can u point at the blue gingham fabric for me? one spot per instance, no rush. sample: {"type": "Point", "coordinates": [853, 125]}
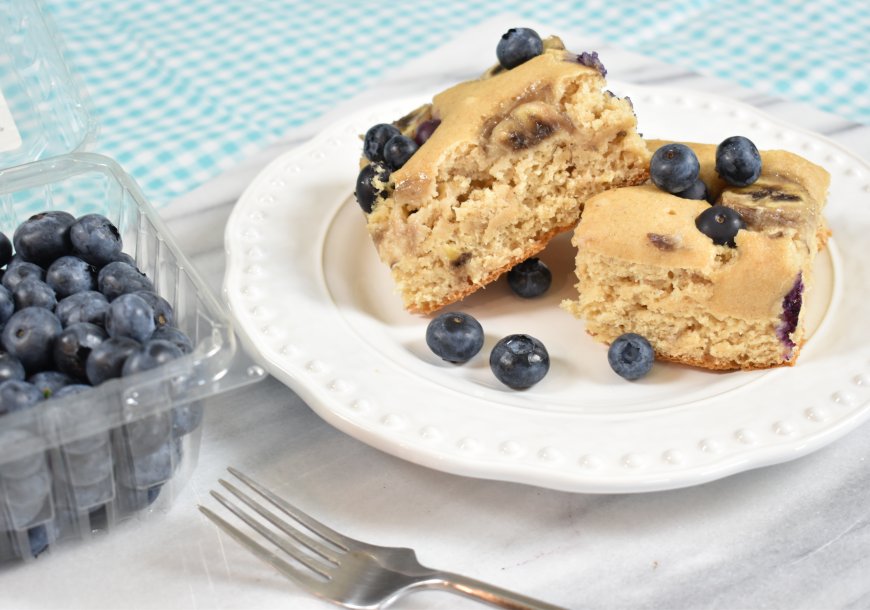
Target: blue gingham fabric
{"type": "Point", "coordinates": [183, 89]}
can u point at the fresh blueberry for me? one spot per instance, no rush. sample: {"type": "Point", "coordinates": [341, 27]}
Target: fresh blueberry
{"type": "Point", "coordinates": [88, 306]}
{"type": "Point", "coordinates": [49, 382]}
{"type": "Point", "coordinates": [454, 336]}
{"type": "Point", "coordinates": [29, 336]}
{"type": "Point", "coordinates": [69, 275]}
{"type": "Point", "coordinates": [93, 495]}
{"type": "Point", "coordinates": [5, 250]}
{"type": "Point", "coordinates": [530, 278]}
{"type": "Point", "coordinates": [20, 270]}
{"type": "Point", "coordinates": [674, 168]}
{"type": "Point", "coordinates": [133, 500]}
{"type": "Point", "coordinates": [425, 131]}
{"type": "Point", "coordinates": [175, 336]}
{"type": "Point", "coordinates": [107, 359]}
{"type": "Point", "coordinates": [95, 239]}
{"type": "Point", "coordinates": [398, 150]}
{"type": "Point", "coordinates": [34, 293]}
{"type": "Point", "coordinates": [186, 418]}
{"type": "Point", "coordinates": [370, 185]}
{"type": "Point", "coordinates": [37, 537]}
{"type": "Point", "coordinates": [10, 367]}
{"type": "Point", "coordinates": [163, 313]}
{"type": "Point", "coordinates": [74, 345]}
{"type": "Point", "coordinates": [151, 355]}
{"type": "Point", "coordinates": [152, 469]}
{"type": "Point", "coordinates": [7, 305]}
{"type": "Point", "coordinates": [517, 46]}
{"type": "Point", "coordinates": [119, 278]}
{"type": "Point", "coordinates": [375, 139]}
{"type": "Point", "coordinates": [130, 316]}
{"type": "Point", "coordinates": [738, 161]}
{"type": "Point", "coordinates": [697, 191]}
{"type": "Point", "coordinates": [721, 224]}
{"type": "Point", "coordinates": [26, 497]}
{"type": "Point", "coordinates": [44, 237]}
{"type": "Point", "coordinates": [519, 361]}
{"type": "Point", "coordinates": [16, 395]}
{"type": "Point", "coordinates": [630, 356]}
{"type": "Point", "coordinates": [31, 460]}
{"type": "Point", "coordinates": [123, 257]}
{"type": "Point", "coordinates": [71, 390]}
{"type": "Point", "coordinates": [147, 434]}
{"type": "Point", "coordinates": [87, 468]}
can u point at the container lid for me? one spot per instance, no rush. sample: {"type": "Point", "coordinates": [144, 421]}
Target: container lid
{"type": "Point", "coordinates": [43, 109]}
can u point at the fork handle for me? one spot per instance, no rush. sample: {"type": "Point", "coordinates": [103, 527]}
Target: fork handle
{"type": "Point", "coordinates": [485, 592]}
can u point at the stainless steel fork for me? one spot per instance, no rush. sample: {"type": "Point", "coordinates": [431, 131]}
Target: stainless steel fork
{"type": "Point", "coordinates": [343, 570]}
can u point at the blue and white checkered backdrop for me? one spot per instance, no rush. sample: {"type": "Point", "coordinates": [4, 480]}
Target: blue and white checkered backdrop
{"type": "Point", "coordinates": [184, 89]}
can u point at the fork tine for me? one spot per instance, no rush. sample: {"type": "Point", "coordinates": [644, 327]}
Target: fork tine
{"type": "Point", "coordinates": [324, 531]}
{"type": "Point", "coordinates": [293, 574]}
{"type": "Point", "coordinates": [288, 529]}
{"type": "Point", "coordinates": [284, 545]}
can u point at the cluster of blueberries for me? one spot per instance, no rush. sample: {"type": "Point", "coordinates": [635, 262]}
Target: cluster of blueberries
{"type": "Point", "coordinates": [75, 311]}
{"type": "Point", "coordinates": [519, 361]}
{"type": "Point", "coordinates": [675, 168]}
{"type": "Point", "coordinates": [387, 150]}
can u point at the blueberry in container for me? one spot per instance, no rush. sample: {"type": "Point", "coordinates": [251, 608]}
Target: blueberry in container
{"type": "Point", "coordinates": [89, 460]}
{"type": "Point", "coordinates": [79, 465]}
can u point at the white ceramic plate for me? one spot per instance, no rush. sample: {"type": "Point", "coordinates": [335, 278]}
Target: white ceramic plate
{"type": "Point", "coordinates": [315, 306]}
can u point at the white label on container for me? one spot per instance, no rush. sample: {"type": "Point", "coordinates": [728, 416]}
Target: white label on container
{"type": "Point", "coordinates": [10, 139]}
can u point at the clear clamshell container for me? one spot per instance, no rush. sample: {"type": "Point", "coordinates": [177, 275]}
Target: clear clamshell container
{"type": "Point", "coordinates": [74, 467]}
{"type": "Point", "coordinates": [71, 467]}
{"type": "Point", "coordinates": [44, 111]}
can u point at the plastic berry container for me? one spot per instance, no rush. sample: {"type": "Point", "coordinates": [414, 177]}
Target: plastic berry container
{"type": "Point", "coordinates": [44, 110]}
{"type": "Point", "coordinates": [74, 466]}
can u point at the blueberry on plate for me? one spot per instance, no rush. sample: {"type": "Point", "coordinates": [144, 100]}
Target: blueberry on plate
{"type": "Point", "coordinates": [519, 361]}
{"type": "Point", "coordinates": [44, 237]}
{"type": "Point", "coordinates": [517, 46]}
{"type": "Point", "coordinates": [69, 275]}
{"type": "Point", "coordinates": [29, 336]}
{"type": "Point", "coordinates": [630, 356]}
{"type": "Point", "coordinates": [375, 139]}
{"type": "Point", "coordinates": [721, 224]}
{"type": "Point", "coordinates": [674, 168]}
{"type": "Point", "coordinates": [95, 239]}
{"type": "Point", "coordinates": [738, 161]}
{"type": "Point", "coordinates": [454, 336]}
{"type": "Point", "coordinates": [398, 150]}
{"type": "Point", "coordinates": [130, 315]}
{"type": "Point", "coordinates": [530, 278]}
